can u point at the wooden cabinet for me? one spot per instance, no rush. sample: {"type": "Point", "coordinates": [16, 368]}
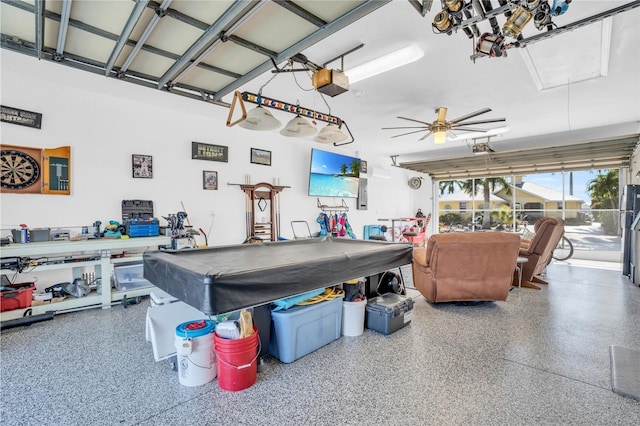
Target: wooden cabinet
{"type": "Point", "coordinates": [99, 255]}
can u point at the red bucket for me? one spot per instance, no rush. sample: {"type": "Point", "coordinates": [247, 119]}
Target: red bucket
{"type": "Point", "coordinates": [237, 361]}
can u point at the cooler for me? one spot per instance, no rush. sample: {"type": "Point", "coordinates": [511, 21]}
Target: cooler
{"type": "Point", "coordinates": [388, 312]}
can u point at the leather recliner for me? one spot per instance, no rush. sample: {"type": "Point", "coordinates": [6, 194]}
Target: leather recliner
{"type": "Point", "coordinates": [539, 250]}
{"type": "Point", "coordinates": [475, 266]}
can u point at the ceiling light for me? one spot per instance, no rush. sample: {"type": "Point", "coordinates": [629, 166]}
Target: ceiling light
{"type": "Point", "coordinates": [260, 119]}
{"type": "Point", "coordinates": [440, 135]}
{"type": "Point", "coordinates": [330, 134]}
{"type": "Point", "coordinates": [385, 63]}
{"type": "Point", "coordinates": [298, 127]}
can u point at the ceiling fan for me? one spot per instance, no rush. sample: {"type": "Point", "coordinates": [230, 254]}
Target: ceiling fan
{"type": "Point", "coordinates": [441, 126]}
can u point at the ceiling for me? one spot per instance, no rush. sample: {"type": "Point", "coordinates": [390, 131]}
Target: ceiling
{"type": "Point", "coordinates": [577, 86]}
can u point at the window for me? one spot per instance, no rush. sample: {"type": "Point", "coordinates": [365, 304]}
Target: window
{"type": "Point", "coordinates": [463, 206]}
{"type": "Point", "coordinates": [447, 207]}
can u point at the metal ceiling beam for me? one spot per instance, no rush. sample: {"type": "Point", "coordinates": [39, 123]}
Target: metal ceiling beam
{"type": "Point", "coordinates": [126, 32]}
{"type": "Point", "coordinates": [227, 33]}
{"type": "Point", "coordinates": [159, 13]}
{"type": "Point", "coordinates": [303, 13]}
{"type": "Point", "coordinates": [39, 15]}
{"type": "Point", "coordinates": [179, 16]}
{"type": "Point", "coordinates": [348, 18]}
{"type": "Point", "coordinates": [233, 12]}
{"type": "Point", "coordinates": [63, 28]}
{"type": "Point", "coordinates": [252, 46]}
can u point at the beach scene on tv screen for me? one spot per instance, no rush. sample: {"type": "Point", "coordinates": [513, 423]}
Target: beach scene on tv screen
{"type": "Point", "coordinates": [333, 175]}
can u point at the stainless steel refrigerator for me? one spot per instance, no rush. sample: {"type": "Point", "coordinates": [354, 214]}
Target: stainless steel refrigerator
{"type": "Point", "coordinates": [630, 208]}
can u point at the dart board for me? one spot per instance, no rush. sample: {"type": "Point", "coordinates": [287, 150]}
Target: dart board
{"type": "Point", "coordinates": [19, 170]}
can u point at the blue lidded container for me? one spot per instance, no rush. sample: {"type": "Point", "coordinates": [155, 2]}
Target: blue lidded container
{"type": "Point", "coordinates": [197, 328]}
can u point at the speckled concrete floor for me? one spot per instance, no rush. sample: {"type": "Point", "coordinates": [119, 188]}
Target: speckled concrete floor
{"type": "Point", "coordinates": [541, 357]}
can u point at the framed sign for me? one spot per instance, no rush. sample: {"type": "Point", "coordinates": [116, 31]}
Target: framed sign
{"type": "Point", "coordinates": [142, 166]}
{"type": "Point", "coordinates": [260, 156]}
{"type": "Point", "coordinates": [21, 117]}
{"type": "Point", "coordinates": [209, 179]}
{"type": "Point", "coordinates": [205, 151]}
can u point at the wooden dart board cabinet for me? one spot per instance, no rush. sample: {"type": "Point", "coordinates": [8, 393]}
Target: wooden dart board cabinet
{"type": "Point", "coordinates": [26, 170]}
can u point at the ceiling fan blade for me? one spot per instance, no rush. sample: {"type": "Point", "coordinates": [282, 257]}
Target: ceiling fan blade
{"type": "Point", "coordinates": [405, 127]}
{"type": "Point", "coordinates": [417, 121]}
{"type": "Point", "coordinates": [424, 137]}
{"type": "Point", "coordinates": [473, 114]}
{"type": "Point", "coordinates": [470, 129]}
{"type": "Point", "coordinates": [409, 133]}
{"type": "Point", "coordinates": [442, 114]}
{"type": "Point", "coordinates": [488, 120]}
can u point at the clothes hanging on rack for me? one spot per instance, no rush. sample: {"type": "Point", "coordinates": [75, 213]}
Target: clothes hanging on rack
{"type": "Point", "coordinates": [323, 220]}
{"type": "Point", "coordinates": [347, 226]}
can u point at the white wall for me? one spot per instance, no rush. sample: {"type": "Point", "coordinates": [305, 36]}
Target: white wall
{"type": "Point", "coordinates": [106, 121]}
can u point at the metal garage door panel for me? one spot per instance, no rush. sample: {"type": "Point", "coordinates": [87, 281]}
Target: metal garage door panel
{"type": "Point", "coordinates": [208, 80]}
{"type": "Point", "coordinates": [234, 58]}
{"type": "Point", "coordinates": [205, 11]}
{"type": "Point", "coordinates": [275, 28]}
{"type": "Point", "coordinates": [87, 45]}
{"type": "Point", "coordinates": [173, 36]}
{"type": "Point", "coordinates": [18, 23]}
{"type": "Point", "coordinates": [151, 64]}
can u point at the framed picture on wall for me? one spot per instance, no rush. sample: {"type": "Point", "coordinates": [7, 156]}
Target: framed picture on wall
{"type": "Point", "coordinates": [205, 151]}
{"type": "Point", "coordinates": [209, 179]}
{"type": "Point", "coordinates": [260, 156]}
{"type": "Point", "coordinates": [142, 166]}
{"type": "Point", "coordinates": [363, 167]}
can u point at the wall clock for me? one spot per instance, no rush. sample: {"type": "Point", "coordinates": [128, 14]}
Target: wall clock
{"type": "Point", "coordinates": [19, 169]}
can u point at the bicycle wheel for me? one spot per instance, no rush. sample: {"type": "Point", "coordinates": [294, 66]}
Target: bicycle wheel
{"type": "Point", "coordinates": [564, 249]}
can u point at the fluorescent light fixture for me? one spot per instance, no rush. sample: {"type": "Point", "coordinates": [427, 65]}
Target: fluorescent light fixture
{"type": "Point", "coordinates": [472, 135]}
{"type": "Point", "coordinates": [385, 63]}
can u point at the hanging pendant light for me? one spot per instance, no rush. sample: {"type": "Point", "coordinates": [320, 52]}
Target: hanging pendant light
{"type": "Point", "coordinates": [298, 127]}
{"type": "Point", "coordinates": [260, 119]}
{"type": "Point", "coordinates": [330, 134]}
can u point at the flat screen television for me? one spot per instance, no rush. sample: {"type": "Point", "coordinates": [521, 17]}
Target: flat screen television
{"type": "Point", "coordinates": [333, 175]}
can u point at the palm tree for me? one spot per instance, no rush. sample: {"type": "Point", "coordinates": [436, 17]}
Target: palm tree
{"type": "Point", "coordinates": [603, 190]}
{"type": "Point", "coordinates": [449, 186]}
{"type": "Point", "coordinates": [488, 186]}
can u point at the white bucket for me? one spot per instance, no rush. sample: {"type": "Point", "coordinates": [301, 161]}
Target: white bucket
{"type": "Point", "coordinates": [194, 350]}
{"type": "Point", "coordinates": [353, 318]}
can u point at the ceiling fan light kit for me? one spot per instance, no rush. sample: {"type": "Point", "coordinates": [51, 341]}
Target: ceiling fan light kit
{"type": "Point", "coordinates": [440, 127]}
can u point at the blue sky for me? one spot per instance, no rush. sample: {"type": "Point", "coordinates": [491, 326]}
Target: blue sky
{"type": "Point", "coordinates": [329, 162]}
{"type": "Point", "coordinates": [554, 181]}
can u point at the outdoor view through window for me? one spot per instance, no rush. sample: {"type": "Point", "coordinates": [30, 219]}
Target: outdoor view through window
{"type": "Point", "coordinates": [588, 201]}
